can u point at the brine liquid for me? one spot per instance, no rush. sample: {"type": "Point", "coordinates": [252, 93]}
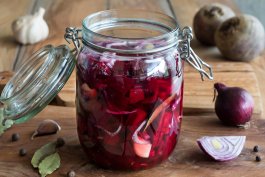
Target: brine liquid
{"type": "Point", "coordinates": [116, 98]}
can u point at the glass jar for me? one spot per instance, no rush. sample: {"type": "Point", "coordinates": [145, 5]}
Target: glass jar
{"type": "Point", "coordinates": [129, 85]}
{"type": "Point", "coordinates": [129, 88]}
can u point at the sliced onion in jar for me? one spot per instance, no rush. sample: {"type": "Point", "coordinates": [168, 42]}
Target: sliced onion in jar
{"type": "Point", "coordinates": [141, 144]}
{"type": "Point", "coordinates": [222, 148]}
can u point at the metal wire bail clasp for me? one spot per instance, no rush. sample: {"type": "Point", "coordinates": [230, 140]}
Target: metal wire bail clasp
{"type": "Point", "coordinates": [189, 55]}
{"type": "Point", "coordinates": [71, 33]}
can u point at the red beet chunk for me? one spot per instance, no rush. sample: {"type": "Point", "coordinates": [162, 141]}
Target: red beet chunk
{"type": "Point", "coordinates": [117, 92]}
{"type": "Point", "coordinates": [164, 88]}
{"type": "Point", "coordinates": [136, 95]}
{"type": "Point", "coordinates": [114, 143]}
{"type": "Point", "coordinates": [166, 122]}
{"type": "Point", "coordinates": [151, 90]}
{"type": "Point", "coordinates": [109, 123]}
{"type": "Point", "coordinates": [98, 74]}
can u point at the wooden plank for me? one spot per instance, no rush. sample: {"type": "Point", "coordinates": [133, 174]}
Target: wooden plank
{"type": "Point", "coordinates": [241, 79]}
{"type": "Point", "coordinates": [224, 66]}
{"type": "Point", "coordinates": [150, 5]}
{"type": "Point", "coordinates": [187, 160]}
{"type": "Point", "coordinates": [259, 69]}
{"type": "Point", "coordinates": [8, 46]}
{"type": "Point", "coordinates": [199, 95]}
{"type": "Point", "coordinates": [59, 15]}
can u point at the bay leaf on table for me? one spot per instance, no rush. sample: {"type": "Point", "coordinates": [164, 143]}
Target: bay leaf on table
{"type": "Point", "coordinates": [42, 153]}
{"type": "Point", "coordinates": [49, 164]}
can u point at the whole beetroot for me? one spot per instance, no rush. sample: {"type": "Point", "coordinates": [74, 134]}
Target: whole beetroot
{"type": "Point", "coordinates": [208, 19]}
{"type": "Point", "coordinates": [240, 38]}
{"type": "Point", "coordinates": [234, 105]}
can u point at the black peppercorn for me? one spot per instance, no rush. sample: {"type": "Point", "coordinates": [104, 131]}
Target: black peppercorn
{"type": "Point", "coordinates": [15, 137]}
{"type": "Point", "coordinates": [22, 152]}
{"type": "Point", "coordinates": [256, 148]}
{"type": "Point", "coordinates": [258, 159]}
{"type": "Point", "coordinates": [71, 173]}
{"type": "Point", "coordinates": [60, 142]}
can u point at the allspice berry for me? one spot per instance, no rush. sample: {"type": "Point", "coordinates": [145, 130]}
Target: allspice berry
{"type": "Point", "coordinates": [15, 137]}
{"type": "Point", "coordinates": [60, 142]}
{"type": "Point", "coordinates": [22, 152]}
{"type": "Point", "coordinates": [71, 173]}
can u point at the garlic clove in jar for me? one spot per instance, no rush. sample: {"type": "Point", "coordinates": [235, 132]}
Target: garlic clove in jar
{"type": "Point", "coordinates": [30, 29]}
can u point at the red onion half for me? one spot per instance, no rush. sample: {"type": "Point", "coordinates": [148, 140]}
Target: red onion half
{"type": "Point", "coordinates": [222, 148]}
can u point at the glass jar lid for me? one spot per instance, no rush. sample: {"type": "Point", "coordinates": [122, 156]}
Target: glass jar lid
{"type": "Point", "coordinates": [37, 82]}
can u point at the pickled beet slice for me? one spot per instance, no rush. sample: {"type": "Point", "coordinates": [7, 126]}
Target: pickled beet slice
{"type": "Point", "coordinates": [151, 90]}
{"type": "Point", "coordinates": [166, 122]}
{"type": "Point", "coordinates": [111, 140]}
{"type": "Point", "coordinates": [101, 69]}
{"type": "Point", "coordinates": [87, 133]}
{"type": "Point", "coordinates": [118, 68]}
{"type": "Point", "coordinates": [163, 129]}
{"type": "Point", "coordinates": [136, 95]}
{"type": "Point", "coordinates": [81, 125]}
{"type": "Point", "coordinates": [117, 93]}
{"type": "Point", "coordinates": [128, 69]}
{"type": "Point", "coordinates": [143, 136]}
{"type": "Point", "coordinates": [98, 74]}
{"type": "Point", "coordinates": [109, 124]}
{"type": "Point", "coordinates": [164, 88]}
{"type": "Point", "coordinates": [111, 132]}
{"type": "Point", "coordinates": [114, 143]}
{"type": "Point", "coordinates": [86, 91]}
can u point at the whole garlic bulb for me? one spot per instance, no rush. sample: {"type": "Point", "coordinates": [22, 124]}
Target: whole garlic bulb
{"type": "Point", "coordinates": [30, 29]}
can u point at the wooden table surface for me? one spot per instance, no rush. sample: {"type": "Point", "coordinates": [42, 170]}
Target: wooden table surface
{"type": "Point", "coordinates": [187, 159]}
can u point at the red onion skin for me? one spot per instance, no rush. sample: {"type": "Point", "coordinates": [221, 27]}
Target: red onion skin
{"type": "Point", "coordinates": [233, 105]}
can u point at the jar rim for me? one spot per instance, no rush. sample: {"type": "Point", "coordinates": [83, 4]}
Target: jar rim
{"type": "Point", "coordinates": [163, 21]}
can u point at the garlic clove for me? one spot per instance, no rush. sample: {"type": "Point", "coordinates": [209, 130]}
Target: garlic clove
{"type": "Point", "coordinates": [30, 29]}
{"type": "Point", "coordinates": [46, 127]}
